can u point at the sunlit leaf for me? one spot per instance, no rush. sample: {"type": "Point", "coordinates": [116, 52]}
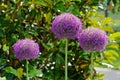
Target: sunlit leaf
{"type": "Point", "coordinates": [113, 46]}
{"type": "Point", "coordinates": [99, 76]}
{"type": "Point", "coordinates": [5, 47]}
{"type": "Point", "coordinates": [111, 53]}
{"type": "Point", "coordinates": [20, 71]}
{"type": "Point", "coordinates": [48, 17]}
{"type": "Point", "coordinates": [108, 29]}
{"type": "Point", "coordinates": [114, 36]}
{"type": "Point", "coordinates": [107, 20]}
{"type": "Point", "coordinates": [41, 2]}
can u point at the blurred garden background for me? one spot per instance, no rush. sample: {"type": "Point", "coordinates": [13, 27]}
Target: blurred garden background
{"type": "Point", "coordinates": [20, 19]}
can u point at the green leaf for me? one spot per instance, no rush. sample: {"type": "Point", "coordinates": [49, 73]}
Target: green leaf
{"type": "Point", "coordinates": [12, 71]}
{"type": "Point", "coordinates": [99, 76]}
{"type": "Point", "coordinates": [48, 1]}
{"type": "Point", "coordinates": [19, 14]}
{"type": "Point", "coordinates": [115, 36]}
{"type": "Point", "coordinates": [5, 47]}
{"type": "Point", "coordinates": [113, 46]}
{"type": "Point", "coordinates": [20, 71]}
{"type": "Point", "coordinates": [34, 72]}
{"type": "Point", "coordinates": [60, 7]}
{"type": "Point", "coordinates": [2, 63]}
{"type": "Point", "coordinates": [112, 53]}
{"type": "Point", "coordinates": [38, 2]}
{"type": "Point", "coordinates": [74, 9]}
{"type": "Point", "coordinates": [33, 32]}
{"type": "Point", "coordinates": [41, 3]}
{"type": "Point", "coordinates": [108, 29]}
{"type": "Point", "coordinates": [1, 33]}
{"type": "Point", "coordinates": [48, 17]}
{"type": "Point", "coordinates": [59, 59]}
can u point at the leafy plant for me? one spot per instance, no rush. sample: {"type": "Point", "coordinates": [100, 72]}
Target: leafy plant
{"type": "Point", "coordinates": [21, 19]}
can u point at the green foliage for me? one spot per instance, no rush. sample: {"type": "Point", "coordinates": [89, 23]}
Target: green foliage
{"type": "Point", "coordinates": [13, 71]}
{"type": "Point", "coordinates": [21, 19]}
{"type": "Point", "coordinates": [115, 36]}
{"type": "Point", "coordinates": [33, 72]}
{"type": "Point", "coordinates": [113, 50]}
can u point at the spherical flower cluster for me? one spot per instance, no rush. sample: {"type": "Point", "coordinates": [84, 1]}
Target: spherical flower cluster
{"type": "Point", "coordinates": [66, 25]}
{"type": "Point", "coordinates": [93, 39]}
{"type": "Point", "coordinates": [26, 49]}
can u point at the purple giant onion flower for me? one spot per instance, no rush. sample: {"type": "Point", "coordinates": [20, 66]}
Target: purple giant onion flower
{"type": "Point", "coordinates": [26, 49]}
{"type": "Point", "coordinates": [66, 25]}
{"type": "Point", "coordinates": [93, 39]}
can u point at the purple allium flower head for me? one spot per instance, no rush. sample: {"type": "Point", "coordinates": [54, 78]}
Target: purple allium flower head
{"type": "Point", "coordinates": [26, 49]}
{"type": "Point", "coordinates": [66, 25]}
{"type": "Point", "coordinates": [93, 39]}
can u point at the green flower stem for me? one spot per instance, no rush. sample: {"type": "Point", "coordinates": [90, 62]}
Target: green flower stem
{"type": "Point", "coordinates": [66, 50]}
{"type": "Point", "coordinates": [27, 70]}
{"type": "Point", "coordinates": [91, 66]}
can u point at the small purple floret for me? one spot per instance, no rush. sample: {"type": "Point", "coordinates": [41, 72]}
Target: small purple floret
{"type": "Point", "coordinates": [93, 39]}
{"type": "Point", "coordinates": [66, 25]}
{"type": "Point", "coordinates": [26, 49]}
